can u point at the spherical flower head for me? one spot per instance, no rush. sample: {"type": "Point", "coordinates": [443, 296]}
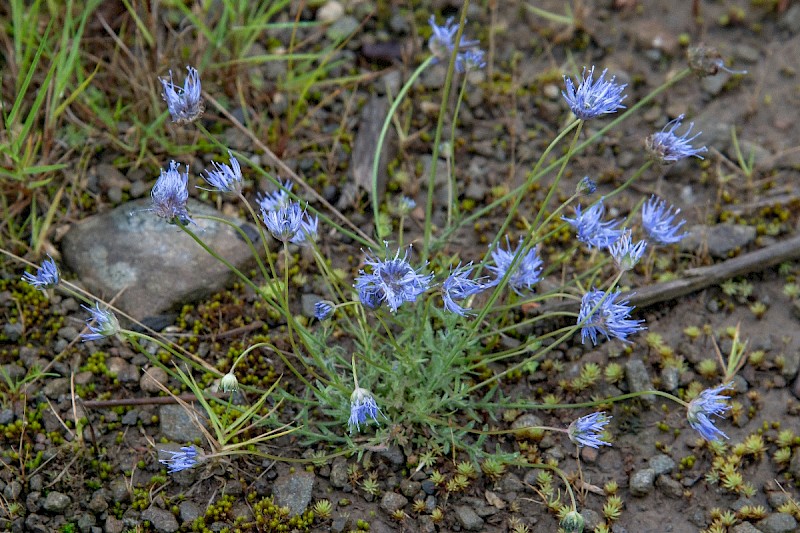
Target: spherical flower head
{"type": "Point", "coordinates": [443, 39]}
{"type": "Point", "coordinates": [307, 234]}
{"type": "Point", "coordinates": [610, 318]}
{"type": "Point", "coordinates": [593, 98]}
{"type": "Point", "coordinates": [572, 522]}
{"type": "Point", "coordinates": [707, 403]}
{"type": "Point", "coordinates": [587, 430]}
{"type": "Point", "coordinates": [184, 104]}
{"type": "Point", "coordinates": [458, 286]}
{"type": "Point", "coordinates": [284, 222]}
{"type": "Point", "coordinates": [229, 383]}
{"type": "Point", "coordinates": [586, 186]}
{"type": "Point", "coordinates": [362, 405]}
{"type": "Point", "coordinates": [170, 194]}
{"type": "Point", "coordinates": [470, 60]}
{"type": "Point", "coordinates": [277, 199]}
{"type": "Point", "coordinates": [405, 205]}
{"type": "Point", "coordinates": [323, 309]}
{"type": "Point", "coordinates": [625, 253]}
{"type": "Point", "coordinates": [225, 178]}
{"type": "Point", "coordinates": [185, 459]}
{"type": "Point", "coordinates": [392, 280]}
{"type": "Point", "coordinates": [105, 323]}
{"type": "Point", "coordinates": [667, 147]}
{"type": "Point", "coordinates": [591, 230]}
{"type": "Point", "coordinates": [526, 273]}
{"type": "Point", "coordinates": [657, 220]}
{"type": "Point", "coordinates": [46, 275]}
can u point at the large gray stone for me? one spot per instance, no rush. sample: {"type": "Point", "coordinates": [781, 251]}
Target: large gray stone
{"type": "Point", "coordinates": [720, 240]}
{"type": "Point", "coordinates": [154, 265]}
{"type": "Point", "coordinates": [178, 425]}
{"type": "Point", "coordinates": [294, 491]}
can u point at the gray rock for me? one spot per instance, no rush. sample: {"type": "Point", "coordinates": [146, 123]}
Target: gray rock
{"type": "Point", "coordinates": [669, 486]}
{"type": "Point", "coordinates": [342, 28]}
{"type": "Point", "coordinates": [745, 527]}
{"type": "Point", "coordinates": [98, 503]}
{"type": "Point", "coordinates": [778, 523]}
{"type": "Point", "coordinates": [392, 501]}
{"type": "Point", "coordinates": [307, 302]}
{"type": "Point", "coordinates": [118, 490]}
{"type": "Point", "coordinates": [152, 378]}
{"type": "Point", "coordinates": [330, 12]}
{"type": "Point", "coordinates": [178, 425]}
{"type": "Point", "coordinates": [13, 331]}
{"type": "Point", "coordinates": [638, 379]}
{"type": "Point", "coordinates": [468, 518]}
{"type": "Point", "coordinates": [56, 502]}
{"type": "Point", "coordinates": [720, 239]}
{"type": "Point", "coordinates": [661, 464]}
{"type": "Point", "coordinates": [294, 491]}
{"type": "Point", "coordinates": [86, 522]}
{"type": "Point", "coordinates": [14, 372]}
{"type": "Point", "coordinates": [157, 264]}
{"type": "Point", "coordinates": [791, 364]}
{"type": "Point", "coordinates": [114, 525]}
{"type": "Point", "coordinates": [161, 520]}
{"type": "Point", "coordinates": [791, 19]}
{"type": "Point", "coordinates": [641, 482]}
{"type": "Point", "coordinates": [338, 477]}
{"type": "Point", "coordinates": [527, 420]}
{"type": "Point", "coordinates": [591, 519]}
{"type": "Point", "coordinates": [794, 465]}
{"type": "Point", "coordinates": [670, 378]}
{"type": "Point", "coordinates": [33, 502]}
{"type": "Point", "coordinates": [409, 488]}
{"type": "Point", "coordinates": [12, 490]}
{"type": "Point", "coordinates": [190, 511]}
{"type": "Point", "coordinates": [394, 455]}
{"type": "Point", "coordinates": [125, 372]}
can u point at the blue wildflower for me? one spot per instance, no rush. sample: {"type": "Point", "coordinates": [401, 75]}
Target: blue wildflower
{"type": "Point", "coordinates": [277, 199]}
{"type": "Point", "coordinates": [593, 98]}
{"type": "Point", "coordinates": [393, 281]}
{"type": "Point", "coordinates": [308, 230]}
{"type": "Point", "coordinates": [527, 272]}
{"type": "Point", "coordinates": [182, 460]}
{"type": "Point", "coordinates": [657, 220]}
{"type": "Point", "coordinates": [184, 104]}
{"type": "Point", "coordinates": [105, 323]}
{"type": "Point", "coordinates": [611, 318]}
{"type": "Point", "coordinates": [625, 253]}
{"type": "Point", "coordinates": [587, 430]}
{"type": "Point", "coordinates": [470, 60]}
{"type": "Point", "coordinates": [591, 230]}
{"type": "Point", "coordinates": [362, 405]}
{"type": "Point", "coordinates": [170, 194]}
{"type": "Point", "coordinates": [707, 403]}
{"type": "Point", "coordinates": [459, 286]}
{"type": "Point", "coordinates": [443, 39]}
{"type": "Point", "coordinates": [667, 147]}
{"type": "Point", "coordinates": [323, 309]}
{"type": "Point", "coordinates": [586, 186]}
{"type": "Point", "coordinates": [284, 222]}
{"type": "Point", "coordinates": [225, 178]}
{"type": "Point", "coordinates": [46, 275]}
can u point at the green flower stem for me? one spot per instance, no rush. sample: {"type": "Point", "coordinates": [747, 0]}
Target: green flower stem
{"type": "Point", "coordinates": [191, 359]}
{"type": "Point", "coordinates": [451, 182]}
{"type": "Point", "coordinates": [262, 234]}
{"type": "Point", "coordinates": [384, 130]}
{"type": "Point", "coordinates": [593, 403]}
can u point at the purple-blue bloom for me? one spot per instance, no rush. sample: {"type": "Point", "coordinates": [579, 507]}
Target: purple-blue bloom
{"type": "Point", "coordinates": [610, 319]}
{"type": "Point", "coordinates": [470, 60]}
{"type": "Point", "coordinates": [362, 405]}
{"type": "Point", "coordinates": [657, 220]}
{"type": "Point", "coordinates": [105, 323]}
{"type": "Point", "coordinates": [184, 104]}
{"type": "Point", "coordinates": [276, 199]}
{"type": "Point", "coordinates": [405, 205]}
{"type": "Point", "coordinates": [170, 194]}
{"type": "Point", "coordinates": [225, 178]}
{"type": "Point", "coordinates": [593, 98]}
{"type": "Point", "coordinates": [443, 39]}
{"type": "Point", "coordinates": [707, 403]}
{"type": "Point", "coordinates": [625, 253]}
{"type": "Point", "coordinates": [46, 275]}
{"type": "Point", "coordinates": [182, 460]}
{"type": "Point", "coordinates": [284, 222]}
{"type": "Point", "coordinates": [587, 430]}
{"type": "Point", "coordinates": [393, 281]}
{"type": "Point", "coordinates": [526, 273]}
{"type": "Point", "coordinates": [586, 186]}
{"type": "Point", "coordinates": [459, 286]}
{"type": "Point", "coordinates": [668, 147]}
{"type": "Point", "coordinates": [307, 232]}
{"type": "Point", "coordinates": [323, 309]}
{"type": "Point", "coordinates": [591, 230]}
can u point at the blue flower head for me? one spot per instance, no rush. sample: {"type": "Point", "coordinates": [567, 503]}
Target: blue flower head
{"type": "Point", "coordinates": [105, 323]}
{"type": "Point", "coordinates": [362, 405]}
{"type": "Point", "coordinates": [225, 178]}
{"type": "Point", "coordinates": [586, 186]}
{"type": "Point", "coordinates": [526, 273]}
{"type": "Point", "coordinates": [323, 309]}
{"type": "Point", "coordinates": [657, 220]}
{"type": "Point", "coordinates": [405, 205]}
{"type": "Point", "coordinates": [184, 104]}
{"type": "Point", "coordinates": [393, 281]}
{"type": "Point", "coordinates": [443, 39]}
{"type": "Point", "coordinates": [625, 253]}
{"type": "Point", "coordinates": [587, 430]}
{"type": "Point", "coordinates": [170, 194]}
{"type": "Point", "coordinates": [610, 319]}
{"type": "Point", "coordinates": [182, 460]}
{"type": "Point", "coordinates": [593, 98]}
{"type": "Point", "coordinates": [285, 222]}
{"type": "Point", "coordinates": [458, 286]}
{"type": "Point", "coordinates": [470, 60]}
{"type": "Point", "coordinates": [667, 147]}
{"type": "Point", "coordinates": [591, 230]}
{"type": "Point", "coordinates": [308, 230]}
{"type": "Point", "coordinates": [46, 275]}
{"type": "Point", "coordinates": [707, 403]}
{"type": "Point", "coordinates": [277, 199]}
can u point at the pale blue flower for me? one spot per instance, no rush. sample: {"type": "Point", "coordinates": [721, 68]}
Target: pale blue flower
{"type": "Point", "coordinates": [591, 229]}
{"type": "Point", "coordinates": [443, 39]}
{"type": "Point", "coordinates": [184, 104]}
{"type": "Point", "coordinates": [657, 220]}
{"type": "Point", "coordinates": [668, 147]}
{"type": "Point", "coordinates": [393, 281]}
{"type": "Point", "coordinates": [170, 194]}
{"type": "Point", "coordinates": [625, 253]}
{"type": "Point", "coordinates": [284, 222]}
{"type": "Point", "coordinates": [276, 199]}
{"type": "Point", "coordinates": [610, 319]}
{"type": "Point", "coordinates": [586, 186]}
{"type": "Point", "coordinates": [587, 430]}
{"type": "Point", "coordinates": [102, 323]}
{"type": "Point", "coordinates": [527, 272]}
{"type": "Point", "coordinates": [182, 460]}
{"type": "Point", "coordinates": [362, 405]}
{"type": "Point", "coordinates": [470, 60]}
{"type": "Point", "coordinates": [459, 286]}
{"type": "Point", "coordinates": [323, 309]}
{"type": "Point", "coordinates": [405, 205]}
{"type": "Point", "coordinates": [46, 275]}
{"type": "Point", "coordinates": [707, 403]}
{"type": "Point", "coordinates": [225, 178]}
{"type": "Point", "coordinates": [593, 98]}
{"type": "Point", "coordinates": [308, 230]}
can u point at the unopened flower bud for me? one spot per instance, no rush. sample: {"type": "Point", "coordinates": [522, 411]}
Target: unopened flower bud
{"type": "Point", "coordinates": [229, 383]}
